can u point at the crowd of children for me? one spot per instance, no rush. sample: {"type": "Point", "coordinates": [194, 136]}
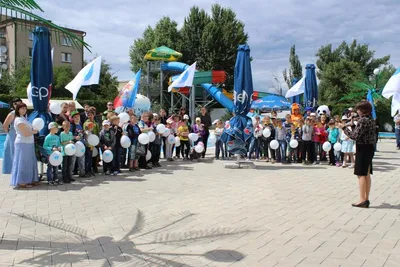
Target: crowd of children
{"type": "Point", "coordinates": [310, 131]}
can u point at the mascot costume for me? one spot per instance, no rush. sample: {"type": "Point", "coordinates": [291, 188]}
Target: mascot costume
{"type": "Point", "coordinates": [296, 114]}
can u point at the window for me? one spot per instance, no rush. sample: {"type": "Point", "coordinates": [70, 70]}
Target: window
{"type": "Point", "coordinates": [66, 57]}
{"type": "Point", "coordinates": [66, 41]}
{"type": "Point", "coordinates": [31, 36]}
{"type": "Point", "coordinates": [30, 52]}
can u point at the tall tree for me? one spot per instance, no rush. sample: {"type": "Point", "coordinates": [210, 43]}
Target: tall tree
{"type": "Point", "coordinates": [295, 68]}
{"type": "Point", "coordinates": [221, 38]}
{"type": "Point", "coordinates": [192, 34]}
{"type": "Point", "coordinates": [339, 68]}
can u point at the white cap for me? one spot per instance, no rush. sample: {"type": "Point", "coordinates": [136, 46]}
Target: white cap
{"type": "Point", "coordinates": [312, 114]}
{"type": "Point", "coordinates": [106, 122]}
{"type": "Point", "coordinates": [344, 117]}
{"type": "Point", "coordinates": [185, 117]}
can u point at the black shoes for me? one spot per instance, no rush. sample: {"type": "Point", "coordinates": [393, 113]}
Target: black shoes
{"type": "Point", "coordinates": [364, 204]}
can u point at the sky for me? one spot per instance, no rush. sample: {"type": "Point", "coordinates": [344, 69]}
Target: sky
{"type": "Point", "coordinates": [273, 27]}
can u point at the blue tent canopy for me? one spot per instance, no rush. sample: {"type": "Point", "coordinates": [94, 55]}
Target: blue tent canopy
{"type": "Point", "coordinates": [271, 102]}
{"type": "Point", "coordinates": [4, 105]}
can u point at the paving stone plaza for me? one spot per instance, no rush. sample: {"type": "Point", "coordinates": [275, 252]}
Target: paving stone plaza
{"type": "Point", "coordinates": [201, 214]}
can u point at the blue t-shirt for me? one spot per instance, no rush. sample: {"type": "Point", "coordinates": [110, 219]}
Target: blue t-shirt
{"type": "Point", "coordinates": [50, 142]}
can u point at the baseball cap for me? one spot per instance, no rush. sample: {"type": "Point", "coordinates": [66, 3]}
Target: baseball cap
{"type": "Point", "coordinates": [53, 125]}
{"type": "Point", "coordinates": [312, 114]}
{"type": "Point", "coordinates": [106, 122]}
{"type": "Point", "coordinates": [185, 117]}
{"type": "Point", "coordinates": [73, 113]}
{"type": "Point", "coordinates": [344, 118]}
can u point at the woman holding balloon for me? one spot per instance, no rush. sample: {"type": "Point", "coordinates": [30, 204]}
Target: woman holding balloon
{"type": "Point", "coordinates": [8, 126]}
{"type": "Point", "coordinates": [24, 170]}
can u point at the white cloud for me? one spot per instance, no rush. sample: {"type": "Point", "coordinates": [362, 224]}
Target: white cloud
{"type": "Point", "coordinates": [273, 26]}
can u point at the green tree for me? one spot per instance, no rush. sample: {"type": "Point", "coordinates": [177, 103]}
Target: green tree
{"type": "Point", "coordinates": [220, 41]}
{"type": "Point", "coordinates": [295, 68]}
{"type": "Point", "coordinates": [192, 34]}
{"type": "Point", "coordinates": [164, 33]}
{"type": "Point", "coordinates": [338, 69]}
{"type": "Point", "coordinates": [22, 9]}
{"type": "Point", "coordinates": [21, 75]}
{"type": "Point", "coordinates": [62, 75]}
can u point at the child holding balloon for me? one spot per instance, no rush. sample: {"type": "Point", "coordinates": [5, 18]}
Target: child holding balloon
{"type": "Point", "coordinates": [333, 137]}
{"type": "Point", "coordinates": [77, 132]}
{"type": "Point", "coordinates": [292, 134]}
{"type": "Point", "coordinates": [133, 133]}
{"type": "Point", "coordinates": [183, 133]}
{"type": "Point", "coordinates": [66, 138]}
{"type": "Point", "coordinates": [117, 148]}
{"type": "Point", "coordinates": [155, 146]}
{"type": "Point", "coordinates": [108, 142]}
{"type": "Point", "coordinates": [51, 144]}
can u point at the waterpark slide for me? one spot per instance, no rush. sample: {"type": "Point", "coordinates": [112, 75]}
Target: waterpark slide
{"type": "Point", "coordinates": [216, 93]}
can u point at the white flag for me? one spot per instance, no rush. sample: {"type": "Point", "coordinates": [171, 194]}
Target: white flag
{"type": "Point", "coordinates": [393, 85]}
{"type": "Point", "coordinates": [185, 79]}
{"type": "Point", "coordinates": [29, 88]}
{"type": "Point", "coordinates": [395, 104]}
{"type": "Point", "coordinates": [297, 89]}
{"type": "Point", "coordinates": [89, 75]}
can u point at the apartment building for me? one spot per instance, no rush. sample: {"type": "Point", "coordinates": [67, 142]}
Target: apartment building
{"type": "Point", "coordinates": [16, 41]}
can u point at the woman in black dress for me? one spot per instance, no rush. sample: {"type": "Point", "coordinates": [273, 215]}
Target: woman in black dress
{"type": "Point", "coordinates": [364, 135]}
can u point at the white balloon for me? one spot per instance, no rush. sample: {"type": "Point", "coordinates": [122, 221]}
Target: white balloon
{"type": "Point", "coordinates": [267, 132]}
{"type": "Point", "coordinates": [161, 128]}
{"type": "Point", "coordinates": [148, 155]}
{"type": "Point", "coordinates": [55, 108]}
{"type": "Point", "coordinates": [166, 132]}
{"type": "Point", "coordinates": [123, 117]}
{"type": "Point", "coordinates": [171, 139]}
{"type": "Point", "coordinates": [177, 142]}
{"type": "Point", "coordinates": [70, 149]}
{"type": "Point", "coordinates": [326, 146]}
{"type": "Point", "coordinates": [38, 124]}
{"type": "Point", "coordinates": [294, 143]}
{"type": "Point", "coordinates": [95, 152]}
{"type": "Point", "coordinates": [274, 144]}
{"type": "Point", "coordinates": [143, 139]}
{"type": "Point", "coordinates": [80, 149]}
{"type": "Point", "coordinates": [55, 158]}
{"type": "Point", "coordinates": [194, 137]}
{"type": "Point", "coordinates": [93, 140]}
{"type": "Point", "coordinates": [199, 148]}
{"type": "Point", "coordinates": [125, 141]}
{"type": "Point", "coordinates": [107, 156]}
{"type": "Point", "coordinates": [212, 139]}
{"type": "Point", "coordinates": [377, 71]}
{"type": "Point", "coordinates": [337, 147]}
{"type": "Point", "coordinates": [152, 136]}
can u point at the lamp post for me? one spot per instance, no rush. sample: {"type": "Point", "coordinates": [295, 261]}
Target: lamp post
{"type": "Point", "coordinates": [280, 86]}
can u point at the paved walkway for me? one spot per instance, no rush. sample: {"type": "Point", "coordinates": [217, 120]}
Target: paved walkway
{"type": "Point", "coordinates": [200, 214]}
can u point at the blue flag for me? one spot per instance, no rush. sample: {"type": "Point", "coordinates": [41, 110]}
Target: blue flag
{"type": "Point", "coordinates": [371, 101]}
{"type": "Point", "coordinates": [132, 97]}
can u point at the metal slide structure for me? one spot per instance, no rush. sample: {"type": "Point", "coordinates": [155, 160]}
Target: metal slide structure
{"type": "Point", "coordinates": [215, 92]}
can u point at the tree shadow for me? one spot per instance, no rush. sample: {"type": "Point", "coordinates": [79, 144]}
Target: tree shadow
{"type": "Point", "coordinates": [382, 166]}
{"type": "Point", "coordinates": [125, 251]}
{"type": "Point", "coordinates": [386, 206]}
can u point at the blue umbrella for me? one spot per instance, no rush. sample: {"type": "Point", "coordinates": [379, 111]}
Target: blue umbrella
{"type": "Point", "coordinates": [295, 99]}
{"type": "Point", "coordinates": [311, 90]}
{"type": "Point", "coordinates": [271, 102]}
{"type": "Point", "coordinates": [240, 127]}
{"type": "Point", "coordinates": [4, 105]}
{"type": "Point", "coordinates": [41, 76]}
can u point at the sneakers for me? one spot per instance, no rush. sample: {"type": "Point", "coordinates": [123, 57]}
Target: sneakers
{"type": "Point", "coordinates": [107, 173]}
{"type": "Point", "coordinates": [344, 165]}
{"type": "Point", "coordinates": [337, 164]}
{"type": "Point", "coordinates": [115, 173]}
{"type": "Point", "coordinates": [351, 166]}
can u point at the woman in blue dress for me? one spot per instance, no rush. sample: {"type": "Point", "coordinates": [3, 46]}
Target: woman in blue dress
{"type": "Point", "coordinates": [10, 139]}
{"type": "Point", "coordinates": [24, 171]}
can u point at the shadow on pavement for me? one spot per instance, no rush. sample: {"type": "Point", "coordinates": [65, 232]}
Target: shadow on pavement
{"type": "Point", "coordinates": [386, 206]}
{"type": "Point", "coordinates": [126, 251]}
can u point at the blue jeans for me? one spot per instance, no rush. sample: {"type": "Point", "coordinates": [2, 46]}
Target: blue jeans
{"type": "Point", "coordinates": [398, 137]}
{"type": "Point", "coordinates": [52, 173]}
{"type": "Point", "coordinates": [219, 147]}
{"type": "Point", "coordinates": [254, 147]}
{"type": "Point", "coordinates": [281, 151]}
